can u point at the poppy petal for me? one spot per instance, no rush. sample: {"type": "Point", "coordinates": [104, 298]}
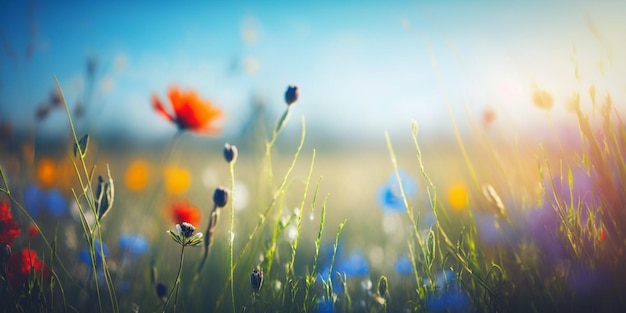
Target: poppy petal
{"type": "Point", "coordinates": [157, 105]}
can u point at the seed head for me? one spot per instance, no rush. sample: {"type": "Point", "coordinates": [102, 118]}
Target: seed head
{"type": "Point", "coordinates": [382, 286]}
{"type": "Point", "coordinates": [186, 229]}
{"type": "Point", "coordinates": [230, 153]}
{"type": "Point", "coordinates": [220, 197]}
{"type": "Point", "coordinates": [292, 94]}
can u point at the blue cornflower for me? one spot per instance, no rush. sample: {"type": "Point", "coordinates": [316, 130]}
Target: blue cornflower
{"type": "Point", "coordinates": [352, 265]}
{"type": "Point", "coordinates": [55, 203]}
{"type": "Point", "coordinates": [403, 266]}
{"type": "Point", "coordinates": [326, 306]}
{"type": "Point", "coordinates": [85, 256]}
{"type": "Point", "coordinates": [134, 244]}
{"type": "Point", "coordinates": [52, 201]}
{"type": "Point", "coordinates": [448, 296]}
{"type": "Point", "coordinates": [389, 195]}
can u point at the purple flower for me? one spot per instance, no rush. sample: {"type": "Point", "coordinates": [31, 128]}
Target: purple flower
{"type": "Point", "coordinates": [491, 229]}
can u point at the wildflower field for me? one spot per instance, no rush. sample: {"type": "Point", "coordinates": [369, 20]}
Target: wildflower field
{"type": "Point", "coordinates": [270, 220]}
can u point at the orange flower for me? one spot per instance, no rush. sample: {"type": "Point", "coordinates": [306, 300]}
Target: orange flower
{"type": "Point", "coordinates": [190, 112]}
{"type": "Point", "coordinates": [184, 212]}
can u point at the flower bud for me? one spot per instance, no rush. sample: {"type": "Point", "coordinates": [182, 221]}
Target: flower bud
{"type": "Point", "coordinates": [5, 255]}
{"type": "Point", "coordinates": [161, 291]}
{"type": "Point", "coordinates": [230, 153]}
{"type": "Point", "coordinates": [220, 197]}
{"type": "Point", "coordinates": [292, 94]}
{"type": "Point", "coordinates": [382, 286]}
{"type": "Point", "coordinates": [256, 280]}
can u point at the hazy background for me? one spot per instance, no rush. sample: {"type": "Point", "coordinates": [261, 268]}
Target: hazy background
{"type": "Point", "coordinates": [363, 66]}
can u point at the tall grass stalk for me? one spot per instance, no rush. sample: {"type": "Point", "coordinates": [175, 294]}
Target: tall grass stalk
{"type": "Point", "coordinates": [90, 198]}
{"type": "Point", "coordinates": [263, 216]}
{"type": "Point", "coordinates": [231, 235]}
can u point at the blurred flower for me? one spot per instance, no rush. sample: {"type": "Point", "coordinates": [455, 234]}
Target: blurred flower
{"type": "Point", "coordinates": [190, 112]}
{"type": "Point", "coordinates": [326, 306]}
{"type": "Point", "coordinates": [99, 248]}
{"type": "Point", "coordinates": [579, 195]}
{"type": "Point", "coordinates": [542, 99]}
{"type": "Point", "coordinates": [352, 265]}
{"type": "Point", "coordinates": [9, 229]}
{"type": "Point", "coordinates": [32, 231]}
{"type": "Point", "coordinates": [137, 175]}
{"type": "Point", "coordinates": [544, 228]}
{"type": "Point", "coordinates": [489, 115]}
{"type": "Point", "coordinates": [230, 153]}
{"type": "Point", "coordinates": [403, 266]}
{"type": "Point", "coordinates": [586, 282]}
{"type": "Point", "coordinates": [491, 229]}
{"type": "Point", "coordinates": [448, 296]}
{"type": "Point", "coordinates": [184, 212]}
{"type": "Point", "coordinates": [6, 129]}
{"type": "Point", "coordinates": [177, 180]}
{"type": "Point", "coordinates": [452, 300]}
{"type": "Point", "coordinates": [457, 196]}
{"type": "Point", "coordinates": [389, 196]}
{"type": "Point", "coordinates": [292, 94]}
{"type": "Point", "coordinates": [20, 266]}
{"type": "Point", "coordinates": [52, 201]}
{"type": "Point", "coordinates": [42, 112]}
{"type": "Point", "coordinates": [47, 172]}
{"type": "Point", "coordinates": [256, 280]}
{"type": "Point", "coordinates": [55, 203]}
{"type": "Point", "coordinates": [135, 244]}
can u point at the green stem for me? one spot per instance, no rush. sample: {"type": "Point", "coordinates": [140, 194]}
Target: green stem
{"type": "Point", "coordinates": [231, 239]}
{"type": "Point", "coordinates": [177, 282]}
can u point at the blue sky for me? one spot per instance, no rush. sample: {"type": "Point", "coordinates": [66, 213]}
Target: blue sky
{"type": "Point", "coordinates": [363, 66]}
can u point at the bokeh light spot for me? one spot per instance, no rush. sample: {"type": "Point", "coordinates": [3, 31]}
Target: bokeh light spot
{"type": "Point", "coordinates": [137, 175]}
{"type": "Point", "coordinates": [46, 172]}
{"type": "Point", "coordinates": [457, 196]}
{"type": "Point", "coordinates": [177, 180]}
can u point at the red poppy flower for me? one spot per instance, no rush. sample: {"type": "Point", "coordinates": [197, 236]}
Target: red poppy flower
{"type": "Point", "coordinates": [184, 212]}
{"type": "Point", "coordinates": [190, 112]}
{"type": "Point", "coordinates": [20, 266]}
{"type": "Point", "coordinates": [32, 231]}
{"type": "Point", "coordinates": [9, 230]}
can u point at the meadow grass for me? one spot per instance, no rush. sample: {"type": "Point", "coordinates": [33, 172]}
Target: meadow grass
{"type": "Point", "coordinates": [496, 244]}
